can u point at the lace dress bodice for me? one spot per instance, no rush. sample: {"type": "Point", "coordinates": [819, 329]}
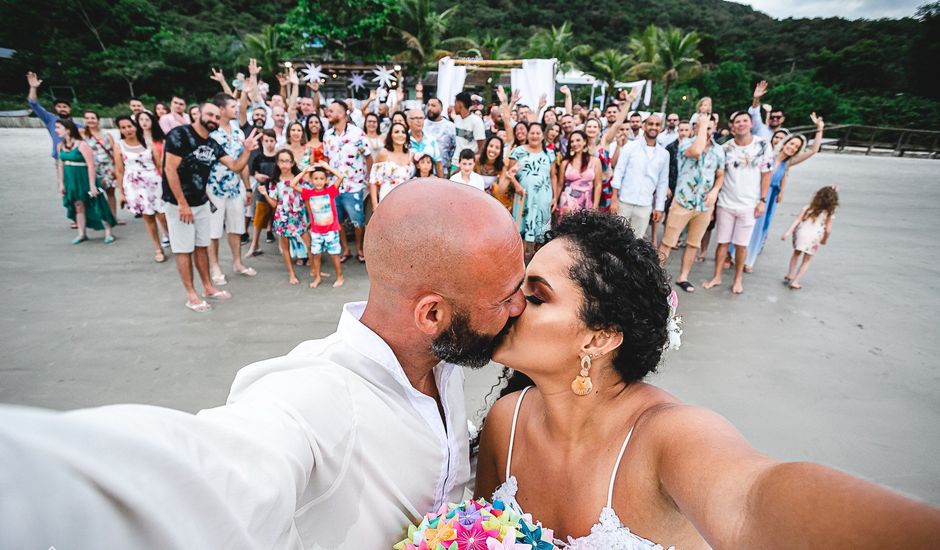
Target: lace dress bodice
{"type": "Point", "coordinates": [609, 532]}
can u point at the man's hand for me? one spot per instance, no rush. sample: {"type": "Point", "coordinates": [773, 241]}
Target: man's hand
{"type": "Point", "coordinates": [253, 67]}
{"type": "Point", "coordinates": [251, 142]}
{"type": "Point", "coordinates": [516, 96]}
{"type": "Point", "coordinates": [759, 211]}
{"type": "Point", "coordinates": [565, 90]}
{"type": "Point", "coordinates": [292, 77]}
{"type": "Point", "coordinates": [760, 89]}
{"type": "Point", "coordinates": [217, 75]}
{"type": "Point", "coordinates": [710, 199]}
{"type": "Point", "coordinates": [501, 95]}
{"type": "Point", "coordinates": [614, 205]}
{"type": "Point", "coordinates": [281, 79]}
{"type": "Point", "coordinates": [262, 178]}
{"type": "Point", "coordinates": [657, 216]}
{"type": "Point", "coordinates": [33, 80]}
{"type": "Point", "coordinates": [314, 85]}
{"type": "Point", "coordinates": [186, 213]}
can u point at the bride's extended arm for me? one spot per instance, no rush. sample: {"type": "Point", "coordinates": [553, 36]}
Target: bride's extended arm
{"type": "Point", "coordinates": [493, 446]}
{"type": "Point", "coordinates": [739, 498]}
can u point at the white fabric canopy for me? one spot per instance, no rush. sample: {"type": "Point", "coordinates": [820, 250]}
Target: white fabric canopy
{"type": "Point", "coordinates": [535, 79]}
{"type": "Point", "coordinates": [450, 81]}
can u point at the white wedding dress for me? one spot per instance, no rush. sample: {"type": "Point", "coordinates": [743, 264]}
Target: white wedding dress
{"type": "Point", "coordinates": [607, 533]}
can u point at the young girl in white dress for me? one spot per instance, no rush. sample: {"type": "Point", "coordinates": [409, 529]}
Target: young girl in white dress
{"type": "Point", "coordinates": [810, 229]}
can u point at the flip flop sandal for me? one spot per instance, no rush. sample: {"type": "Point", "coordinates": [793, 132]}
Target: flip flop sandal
{"type": "Point", "coordinates": [109, 239]}
{"type": "Point", "coordinates": [248, 272]}
{"type": "Point", "coordinates": [219, 280]}
{"type": "Point", "coordinates": [81, 239]}
{"type": "Point", "coordinates": [361, 258]}
{"type": "Point", "coordinates": [343, 258]}
{"type": "Point", "coordinates": [159, 257]}
{"type": "Point", "coordinates": [795, 287]}
{"type": "Point", "coordinates": [220, 295]}
{"type": "Point", "coordinates": [201, 307]}
{"type": "Point", "coordinates": [686, 286]}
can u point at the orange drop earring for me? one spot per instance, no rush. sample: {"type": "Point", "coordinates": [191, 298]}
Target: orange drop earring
{"type": "Point", "coordinates": [582, 384]}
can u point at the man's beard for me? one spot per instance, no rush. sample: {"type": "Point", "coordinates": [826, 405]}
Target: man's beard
{"type": "Point", "coordinates": [433, 117]}
{"type": "Point", "coordinates": [461, 345]}
{"type": "Point", "coordinates": [209, 125]}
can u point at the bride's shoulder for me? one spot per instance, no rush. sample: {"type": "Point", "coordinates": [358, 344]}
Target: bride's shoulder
{"type": "Point", "coordinates": [499, 417]}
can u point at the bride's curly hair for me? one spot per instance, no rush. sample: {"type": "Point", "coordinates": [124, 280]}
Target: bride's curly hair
{"type": "Point", "coordinates": [623, 288]}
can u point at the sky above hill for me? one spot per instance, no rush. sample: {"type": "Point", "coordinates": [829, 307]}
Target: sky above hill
{"type": "Point", "coordinates": [849, 9]}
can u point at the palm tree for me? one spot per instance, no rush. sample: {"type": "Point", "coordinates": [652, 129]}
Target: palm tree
{"type": "Point", "coordinates": [678, 58]}
{"type": "Point", "coordinates": [610, 66]}
{"type": "Point", "coordinates": [668, 55]}
{"type": "Point", "coordinates": [495, 47]}
{"type": "Point", "coordinates": [267, 47]}
{"type": "Point", "coordinates": [556, 43]}
{"type": "Point", "coordinates": [422, 30]}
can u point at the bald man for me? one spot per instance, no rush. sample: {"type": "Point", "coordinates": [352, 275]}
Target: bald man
{"type": "Point", "coordinates": [339, 444]}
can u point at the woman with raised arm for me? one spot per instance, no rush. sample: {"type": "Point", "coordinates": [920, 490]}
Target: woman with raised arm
{"type": "Point", "coordinates": [608, 461]}
{"type": "Point", "coordinates": [790, 152]}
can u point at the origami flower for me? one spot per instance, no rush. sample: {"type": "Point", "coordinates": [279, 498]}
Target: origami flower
{"type": "Point", "coordinates": [473, 537]}
{"type": "Point", "coordinates": [508, 542]}
{"type": "Point", "coordinates": [383, 76]}
{"type": "Point", "coordinates": [444, 534]}
{"type": "Point", "coordinates": [357, 81]}
{"type": "Point", "coordinates": [533, 537]}
{"type": "Point", "coordinates": [468, 517]}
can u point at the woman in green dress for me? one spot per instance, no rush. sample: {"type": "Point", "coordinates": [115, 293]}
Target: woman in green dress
{"type": "Point", "coordinates": [85, 203]}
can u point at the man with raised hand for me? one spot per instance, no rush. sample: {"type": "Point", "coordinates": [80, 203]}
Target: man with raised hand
{"type": "Point", "coordinates": [190, 155]}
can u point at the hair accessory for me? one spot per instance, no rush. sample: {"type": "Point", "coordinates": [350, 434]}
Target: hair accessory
{"type": "Point", "coordinates": [673, 326]}
{"type": "Point", "coordinates": [582, 385]}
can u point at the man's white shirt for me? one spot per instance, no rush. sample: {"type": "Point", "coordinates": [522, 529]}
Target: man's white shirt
{"type": "Point", "coordinates": [329, 446]}
{"type": "Point", "coordinates": [642, 174]}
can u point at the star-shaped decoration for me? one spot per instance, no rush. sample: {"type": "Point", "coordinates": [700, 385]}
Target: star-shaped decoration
{"type": "Point", "coordinates": [383, 76]}
{"type": "Point", "coordinates": [357, 81]}
{"type": "Point", "coordinates": [313, 72]}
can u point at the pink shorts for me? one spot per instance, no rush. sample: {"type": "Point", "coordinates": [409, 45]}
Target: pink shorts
{"type": "Point", "coordinates": [734, 225]}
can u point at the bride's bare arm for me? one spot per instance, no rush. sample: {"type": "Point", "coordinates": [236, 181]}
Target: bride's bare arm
{"type": "Point", "coordinates": [494, 441]}
{"type": "Point", "coordinates": [738, 498]}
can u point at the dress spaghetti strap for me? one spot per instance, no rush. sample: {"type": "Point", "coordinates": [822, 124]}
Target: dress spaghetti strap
{"type": "Point", "coordinates": [512, 434]}
{"type": "Point", "coordinates": [613, 475]}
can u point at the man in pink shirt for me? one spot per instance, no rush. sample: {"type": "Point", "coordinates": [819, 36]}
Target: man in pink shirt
{"type": "Point", "coordinates": [176, 117]}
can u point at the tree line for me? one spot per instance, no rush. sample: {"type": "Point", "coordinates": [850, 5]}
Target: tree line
{"type": "Point", "coordinates": [867, 71]}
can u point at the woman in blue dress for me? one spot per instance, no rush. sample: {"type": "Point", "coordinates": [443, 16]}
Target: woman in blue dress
{"type": "Point", "coordinates": [790, 152]}
{"type": "Point", "coordinates": [533, 210]}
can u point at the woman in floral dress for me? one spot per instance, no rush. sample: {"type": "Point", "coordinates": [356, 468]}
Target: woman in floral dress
{"type": "Point", "coordinates": [290, 220]}
{"type": "Point", "coordinates": [141, 189]}
{"type": "Point", "coordinates": [533, 210]}
{"type": "Point", "coordinates": [102, 146]}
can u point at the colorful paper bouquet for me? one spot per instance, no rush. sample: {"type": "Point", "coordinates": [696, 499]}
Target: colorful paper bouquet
{"type": "Point", "coordinates": [477, 525]}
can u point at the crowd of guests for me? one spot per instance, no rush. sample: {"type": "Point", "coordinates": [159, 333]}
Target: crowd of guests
{"type": "Point", "coordinates": [298, 168]}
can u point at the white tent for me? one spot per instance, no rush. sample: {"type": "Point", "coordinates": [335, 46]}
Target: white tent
{"type": "Point", "coordinates": [580, 78]}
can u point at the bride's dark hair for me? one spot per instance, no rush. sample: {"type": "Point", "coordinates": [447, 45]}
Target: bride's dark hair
{"type": "Point", "coordinates": [623, 287]}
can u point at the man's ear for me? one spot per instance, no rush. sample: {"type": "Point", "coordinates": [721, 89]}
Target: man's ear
{"type": "Point", "coordinates": [432, 314]}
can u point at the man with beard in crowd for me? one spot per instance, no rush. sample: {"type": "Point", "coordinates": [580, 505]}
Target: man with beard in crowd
{"type": "Point", "coordinates": [441, 130]}
{"type": "Point", "coordinates": [302, 444]}
{"type": "Point", "coordinates": [62, 108]}
{"type": "Point", "coordinates": [190, 154]}
{"type": "Point", "coordinates": [641, 179]}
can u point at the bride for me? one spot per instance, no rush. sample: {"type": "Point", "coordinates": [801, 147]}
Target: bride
{"type": "Point", "coordinates": [608, 461]}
